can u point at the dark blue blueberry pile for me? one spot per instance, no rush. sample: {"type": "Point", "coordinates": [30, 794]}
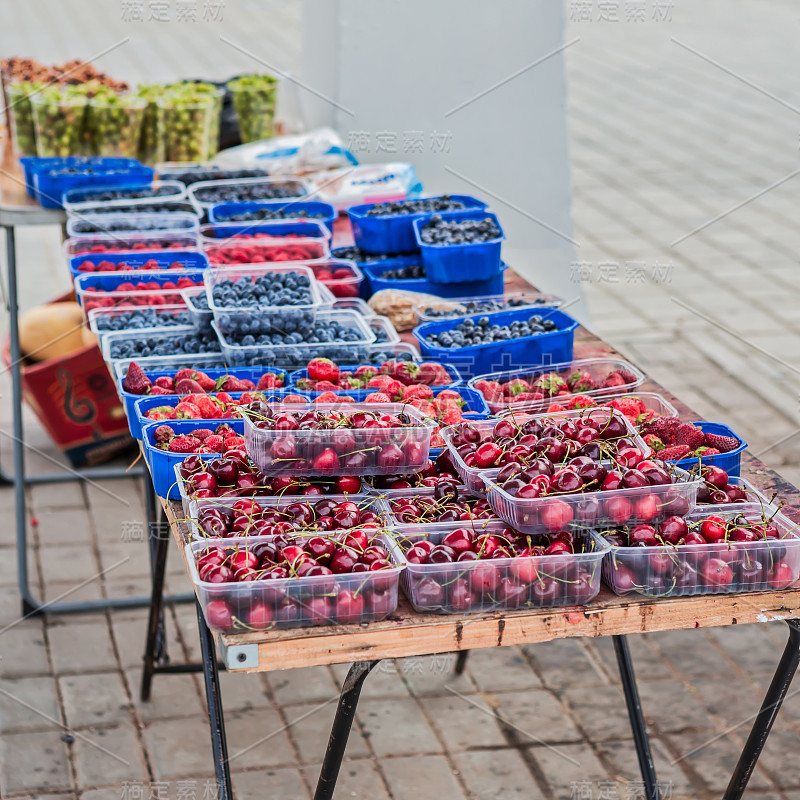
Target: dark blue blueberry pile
{"type": "Point", "coordinates": [164, 345]}
{"type": "Point", "coordinates": [409, 273]}
{"type": "Point", "coordinates": [471, 334]}
{"type": "Point", "coordinates": [380, 333]}
{"type": "Point", "coordinates": [425, 206]}
{"type": "Point", "coordinates": [122, 194]}
{"type": "Point", "coordinates": [142, 318]}
{"type": "Point", "coordinates": [266, 291]}
{"type": "Point", "coordinates": [190, 176]}
{"type": "Point", "coordinates": [327, 332]}
{"type": "Point", "coordinates": [480, 306]}
{"type": "Point", "coordinates": [131, 222]}
{"type": "Point", "coordinates": [244, 192]}
{"type": "Point", "coordinates": [440, 230]}
{"type": "Point", "coordinates": [360, 257]}
{"type": "Point", "coordinates": [144, 208]}
{"type": "Point", "coordinates": [269, 213]}
{"type": "Point", "coordinates": [199, 301]}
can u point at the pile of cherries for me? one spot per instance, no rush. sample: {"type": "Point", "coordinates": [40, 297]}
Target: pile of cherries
{"type": "Point", "coordinates": [346, 577]}
{"type": "Point", "coordinates": [476, 568]}
{"type": "Point", "coordinates": [247, 517]}
{"type": "Point", "coordinates": [718, 490]}
{"type": "Point", "coordinates": [737, 554]}
{"type": "Point", "coordinates": [443, 505]}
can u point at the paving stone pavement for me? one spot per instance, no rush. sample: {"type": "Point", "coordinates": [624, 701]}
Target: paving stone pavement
{"type": "Point", "coordinates": [662, 143]}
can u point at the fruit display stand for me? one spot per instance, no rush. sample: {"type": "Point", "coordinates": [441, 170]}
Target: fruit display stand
{"type": "Point", "coordinates": [408, 633]}
{"type": "Point", "coordinates": [18, 209]}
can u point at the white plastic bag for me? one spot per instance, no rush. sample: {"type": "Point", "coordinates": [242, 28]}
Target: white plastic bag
{"type": "Point", "coordinates": [368, 183]}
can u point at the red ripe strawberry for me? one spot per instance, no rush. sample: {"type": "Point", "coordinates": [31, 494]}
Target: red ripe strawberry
{"type": "Point", "coordinates": [377, 397]}
{"type": "Point", "coordinates": [581, 401]}
{"type": "Point", "coordinates": [200, 433]}
{"type": "Point", "coordinates": [350, 383]}
{"type": "Point", "coordinates": [425, 407]}
{"type": "Point", "coordinates": [674, 453]}
{"type": "Point", "coordinates": [230, 383]}
{"type": "Point", "coordinates": [450, 394]}
{"type": "Point", "coordinates": [452, 416]}
{"type": "Point", "coordinates": [305, 384]}
{"type": "Point", "coordinates": [724, 444]}
{"type": "Point", "coordinates": [185, 372]}
{"type": "Point", "coordinates": [436, 439]}
{"type": "Point", "coordinates": [551, 384]}
{"type": "Point", "coordinates": [613, 379]}
{"type": "Point", "coordinates": [527, 397]}
{"type": "Point", "coordinates": [164, 382]}
{"type": "Point", "coordinates": [365, 373]}
{"type": "Point", "coordinates": [161, 412]}
{"type": "Point", "coordinates": [248, 397]}
{"type": "Point", "coordinates": [159, 390]}
{"type": "Point", "coordinates": [581, 381]}
{"type": "Point", "coordinates": [136, 382]}
{"type": "Point", "coordinates": [491, 390]}
{"type": "Point", "coordinates": [187, 410]}
{"type": "Point", "coordinates": [645, 417]}
{"type": "Point", "coordinates": [394, 389]}
{"type": "Point", "coordinates": [664, 428]}
{"type": "Point", "coordinates": [327, 397]}
{"type": "Point", "coordinates": [269, 380]}
{"type": "Point", "coordinates": [654, 442]}
{"type": "Point", "coordinates": [209, 406]}
{"type": "Point", "coordinates": [631, 407]}
{"type": "Point", "coordinates": [294, 398]}
{"type": "Point", "coordinates": [706, 451]}
{"type": "Point", "coordinates": [690, 435]}
{"type": "Point", "coordinates": [627, 377]}
{"type": "Point", "coordinates": [225, 399]}
{"type": "Point", "coordinates": [323, 369]}
{"type": "Point", "coordinates": [387, 368]}
{"type": "Point", "coordinates": [417, 392]}
{"type": "Point", "coordinates": [188, 386]}
{"type": "Point", "coordinates": [406, 372]}
{"type": "Point", "coordinates": [163, 434]}
{"type": "Point", "coordinates": [515, 386]}
{"type": "Point", "coordinates": [325, 386]}
{"type": "Point", "coordinates": [379, 381]}
{"type": "Point", "coordinates": [206, 383]}
{"type": "Point", "coordinates": [213, 444]}
{"type": "Point", "coordinates": [556, 407]}
{"type": "Point", "coordinates": [184, 444]}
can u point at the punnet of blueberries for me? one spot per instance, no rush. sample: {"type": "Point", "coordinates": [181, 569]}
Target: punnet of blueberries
{"type": "Point", "coordinates": [170, 206]}
{"type": "Point", "coordinates": [160, 344]}
{"type": "Point", "coordinates": [237, 193]}
{"type": "Point", "coordinates": [264, 291]}
{"type": "Point", "coordinates": [323, 332]}
{"type": "Point", "coordinates": [481, 307]}
{"type": "Point", "coordinates": [359, 256]}
{"type": "Point", "coordinates": [192, 175]}
{"type": "Point", "coordinates": [269, 213]}
{"type": "Point", "coordinates": [423, 206]}
{"type": "Point", "coordinates": [131, 222]}
{"type": "Point", "coordinates": [134, 193]}
{"type": "Point", "coordinates": [142, 318]}
{"type": "Point", "coordinates": [471, 334]}
{"type": "Point", "coordinates": [440, 230]}
{"type": "Point", "coordinates": [411, 272]}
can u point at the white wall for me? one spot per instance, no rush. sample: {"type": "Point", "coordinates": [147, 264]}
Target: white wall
{"type": "Point", "coordinates": [396, 66]}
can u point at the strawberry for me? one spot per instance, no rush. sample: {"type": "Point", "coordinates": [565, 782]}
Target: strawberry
{"type": "Point", "coordinates": [185, 372]}
{"type": "Point", "coordinates": [654, 442]}
{"type": "Point", "coordinates": [664, 428]}
{"type": "Point", "coordinates": [722, 443]}
{"type": "Point", "coordinates": [164, 382]}
{"type": "Point", "coordinates": [322, 369]}
{"type": "Point", "coordinates": [690, 435]}
{"type": "Point", "coordinates": [706, 451]}
{"type": "Point", "coordinates": [425, 407]}
{"type": "Point", "coordinates": [406, 372]}
{"type": "Point", "coordinates": [551, 384]}
{"type": "Point", "coordinates": [378, 381]}
{"type": "Point", "coordinates": [230, 383]}
{"type": "Point", "coordinates": [161, 412]}
{"type": "Point", "coordinates": [213, 444]}
{"type": "Point", "coordinates": [515, 386]}
{"type": "Point", "coordinates": [163, 434]}
{"type": "Point", "coordinates": [581, 401]}
{"type": "Point", "coordinates": [305, 384]}
{"type": "Point", "coordinates": [188, 386]}
{"type": "Point", "coordinates": [350, 383]}
{"type": "Point", "coordinates": [225, 399]}
{"type": "Point", "coordinates": [325, 386]}
{"type": "Point", "coordinates": [613, 379]}
{"type": "Point", "coordinates": [184, 444]}
{"type": "Point", "coordinates": [627, 377]}
{"type": "Point", "coordinates": [248, 397]}
{"type": "Point", "coordinates": [430, 374]}
{"type": "Point", "coordinates": [269, 380]}
{"type": "Point", "coordinates": [136, 382]}
{"type": "Point", "coordinates": [394, 389]}
{"type": "Point", "coordinates": [491, 390]}
{"type": "Point", "coordinates": [581, 377]}
{"type": "Point", "coordinates": [187, 410]}
{"type": "Point", "coordinates": [674, 453]}
{"type": "Point", "coordinates": [645, 417]}
{"type": "Point", "coordinates": [156, 390]}
{"type": "Point", "coordinates": [450, 394]}
{"type": "Point", "coordinates": [209, 406]}
{"type": "Point", "coordinates": [200, 433]}
{"type": "Point", "coordinates": [207, 383]}
{"type": "Point", "coordinates": [294, 398]}
{"type": "Point", "coordinates": [631, 407]}
{"type": "Point", "coordinates": [224, 430]}
{"type": "Point", "coordinates": [451, 417]}
{"type": "Point", "coordinates": [327, 397]}
{"type": "Point", "coordinates": [387, 368]}
{"type": "Point", "coordinates": [365, 373]}
{"type": "Point", "coordinates": [417, 392]}
{"type": "Point", "coordinates": [555, 407]}
{"type": "Point", "coordinates": [527, 397]}
{"type": "Point", "coordinates": [377, 397]}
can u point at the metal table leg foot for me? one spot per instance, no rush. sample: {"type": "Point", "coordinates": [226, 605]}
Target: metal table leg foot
{"type": "Point", "coordinates": [216, 718]}
{"type": "Point", "coordinates": [636, 717]}
{"type": "Point", "coordinates": [762, 726]}
{"type": "Point", "coordinates": [340, 731]}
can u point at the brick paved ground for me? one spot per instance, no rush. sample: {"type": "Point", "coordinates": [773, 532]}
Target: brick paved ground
{"type": "Point", "coordinates": [661, 142]}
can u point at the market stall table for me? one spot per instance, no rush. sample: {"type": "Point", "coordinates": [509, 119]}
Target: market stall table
{"type": "Point", "coordinates": [408, 633]}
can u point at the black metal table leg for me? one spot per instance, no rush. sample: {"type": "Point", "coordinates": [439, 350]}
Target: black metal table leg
{"type": "Point", "coordinates": [636, 717]}
{"type": "Point", "coordinates": [340, 731]}
{"type": "Point", "coordinates": [216, 718]}
{"type": "Point", "coordinates": [776, 694]}
{"type": "Point", "coordinates": [461, 662]}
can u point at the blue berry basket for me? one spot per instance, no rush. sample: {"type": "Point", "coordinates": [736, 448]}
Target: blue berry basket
{"type": "Point", "coordinates": [294, 209]}
{"type": "Point", "coordinates": [457, 263]}
{"type": "Point", "coordinates": [215, 232]}
{"type": "Point", "coordinates": [162, 463]}
{"type": "Point", "coordinates": [137, 422]}
{"type": "Point", "coordinates": [109, 281]}
{"type": "Point", "coordinates": [188, 259]}
{"type": "Point", "coordinates": [31, 165]}
{"type": "Point", "coordinates": [731, 461]}
{"type": "Point", "coordinates": [394, 233]}
{"type": "Point", "coordinates": [526, 351]}
{"type": "Point", "coordinates": [129, 400]}
{"type": "Point", "coordinates": [373, 272]}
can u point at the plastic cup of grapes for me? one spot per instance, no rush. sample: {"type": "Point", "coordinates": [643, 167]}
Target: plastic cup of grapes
{"type": "Point", "coordinates": [115, 122]}
{"type": "Point", "coordinates": [59, 116]}
{"type": "Point", "coordinates": [254, 102]}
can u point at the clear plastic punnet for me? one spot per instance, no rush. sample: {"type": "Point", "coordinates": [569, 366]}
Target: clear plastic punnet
{"type": "Point", "coordinates": [125, 222]}
{"type": "Point", "coordinates": [258, 249]}
{"type": "Point", "coordinates": [205, 194]}
{"type": "Point", "coordinates": [587, 374]}
{"type": "Point", "coordinates": [103, 321]}
{"type": "Point", "coordinates": [77, 200]}
{"type": "Point", "coordinates": [507, 583]}
{"type": "Point", "coordinates": [255, 315]}
{"type": "Point", "coordinates": [443, 308]}
{"type": "Point", "coordinates": [366, 440]}
{"type": "Point", "coordinates": [291, 602]}
{"type": "Point", "coordinates": [125, 242]}
{"type": "Point", "coordinates": [753, 561]}
{"type": "Point", "coordinates": [200, 315]}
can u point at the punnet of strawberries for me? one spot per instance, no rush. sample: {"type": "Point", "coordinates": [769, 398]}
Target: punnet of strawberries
{"type": "Point", "coordinates": [200, 440]}
{"type": "Point", "coordinates": [207, 406]}
{"type": "Point", "coordinates": [674, 440]}
{"type": "Point", "coordinates": [392, 378]}
{"type": "Point", "coordinates": [194, 381]}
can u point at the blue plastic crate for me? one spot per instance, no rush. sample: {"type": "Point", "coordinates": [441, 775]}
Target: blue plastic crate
{"type": "Point", "coordinates": [311, 229]}
{"type": "Point", "coordinates": [138, 422]}
{"type": "Point", "coordinates": [109, 281]}
{"type": "Point", "coordinates": [731, 461]}
{"type": "Point", "coordinates": [394, 233]}
{"type": "Point", "coordinates": [247, 373]}
{"type": "Point", "coordinates": [162, 462]}
{"type": "Point", "coordinates": [299, 209]}
{"type": "Point", "coordinates": [189, 259]}
{"type": "Point", "coordinates": [453, 263]}
{"type": "Point", "coordinates": [360, 394]}
{"type": "Point", "coordinates": [528, 351]}
{"type": "Point", "coordinates": [374, 270]}
{"type": "Point", "coordinates": [33, 164]}
{"type": "Point", "coordinates": [52, 181]}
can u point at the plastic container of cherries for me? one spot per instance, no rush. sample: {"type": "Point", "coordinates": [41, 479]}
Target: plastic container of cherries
{"type": "Point", "coordinates": [464, 569]}
{"type": "Point", "coordinates": [259, 583]}
{"type": "Point", "coordinates": [332, 439]}
{"type": "Point", "coordinates": [712, 551]}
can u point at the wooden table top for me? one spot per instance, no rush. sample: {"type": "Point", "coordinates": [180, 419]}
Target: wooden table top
{"type": "Point", "coordinates": [410, 633]}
